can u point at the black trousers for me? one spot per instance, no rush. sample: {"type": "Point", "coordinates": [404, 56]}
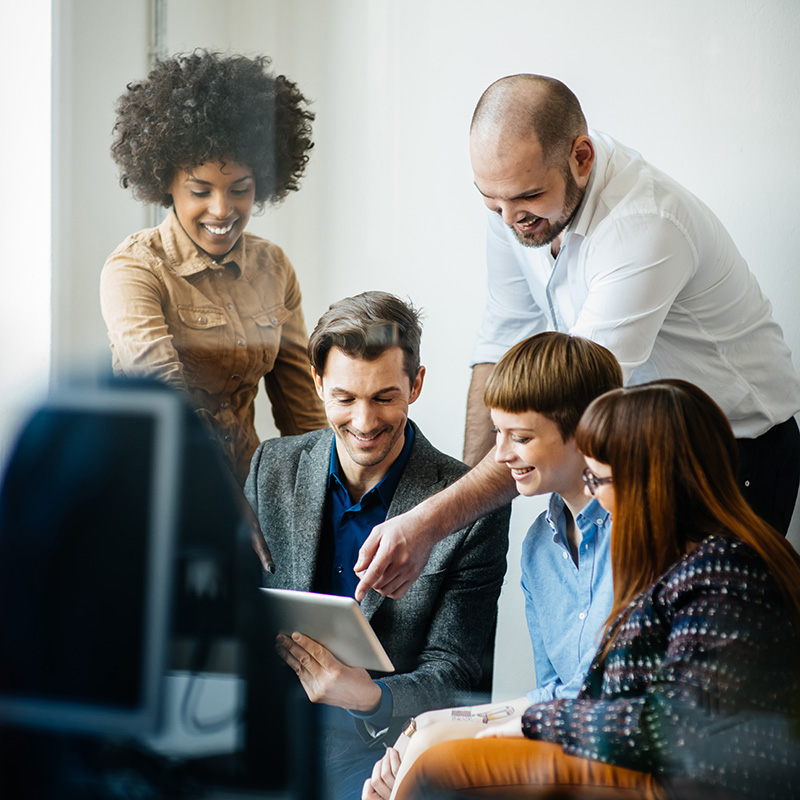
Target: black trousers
{"type": "Point", "coordinates": [769, 473]}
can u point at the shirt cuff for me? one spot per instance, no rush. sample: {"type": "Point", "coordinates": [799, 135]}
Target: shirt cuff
{"type": "Point", "coordinates": [379, 719]}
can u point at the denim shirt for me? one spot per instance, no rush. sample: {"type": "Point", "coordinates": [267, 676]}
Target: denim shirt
{"type": "Point", "coordinates": [566, 604]}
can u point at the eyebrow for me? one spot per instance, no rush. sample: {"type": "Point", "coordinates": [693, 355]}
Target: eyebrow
{"type": "Point", "coordinates": [520, 196]}
{"type": "Point", "coordinates": [386, 390]}
{"type": "Point", "coordinates": [192, 179]}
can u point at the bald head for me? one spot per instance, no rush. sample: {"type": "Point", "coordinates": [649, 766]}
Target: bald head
{"type": "Point", "coordinates": [521, 107]}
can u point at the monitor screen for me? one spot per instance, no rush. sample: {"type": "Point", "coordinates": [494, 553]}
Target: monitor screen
{"type": "Point", "coordinates": [88, 511]}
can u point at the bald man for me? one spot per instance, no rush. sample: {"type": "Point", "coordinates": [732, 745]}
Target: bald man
{"type": "Point", "coordinates": [585, 236]}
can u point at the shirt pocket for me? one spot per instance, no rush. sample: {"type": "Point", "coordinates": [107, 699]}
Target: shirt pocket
{"type": "Point", "coordinates": [268, 324]}
{"type": "Point", "coordinates": [201, 332]}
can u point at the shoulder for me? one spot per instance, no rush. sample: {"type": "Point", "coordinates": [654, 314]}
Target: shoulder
{"type": "Point", "coordinates": [280, 457]}
{"type": "Point", "coordinates": [143, 247]}
{"type": "Point", "coordinates": [631, 192]}
{"type": "Point", "coordinates": [539, 536]}
{"type": "Point", "coordinates": [263, 253]}
{"type": "Point", "coordinates": [719, 565]}
{"type": "Point", "coordinates": [425, 457]}
{"type": "Point", "coordinates": [286, 446]}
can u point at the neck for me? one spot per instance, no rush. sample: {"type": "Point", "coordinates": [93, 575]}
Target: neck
{"type": "Point", "coordinates": [358, 479]}
{"type": "Point", "coordinates": [575, 499]}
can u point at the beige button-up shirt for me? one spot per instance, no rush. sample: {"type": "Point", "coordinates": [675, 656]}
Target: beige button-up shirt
{"type": "Point", "coordinates": [213, 329]}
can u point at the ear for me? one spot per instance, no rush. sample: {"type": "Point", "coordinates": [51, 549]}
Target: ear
{"type": "Point", "coordinates": [318, 383]}
{"type": "Point", "coordinates": [581, 159]}
{"type": "Point", "coordinates": [416, 387]}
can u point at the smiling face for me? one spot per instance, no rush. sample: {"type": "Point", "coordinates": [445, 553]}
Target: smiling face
{"type": "Point", "coordinates": [213, 203]}
{"type": "Point", "coordinates": [531, 446]}
{"type": "Point", "coordinates": [604, 492]}
{"type": "Point", "coordinates": [535, 201]}
{"type": "Point", "coordinates": [367, 406]}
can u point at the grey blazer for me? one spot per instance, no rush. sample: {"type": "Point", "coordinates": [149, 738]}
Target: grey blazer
{"type": "Point", "coordinates": [436, 634]}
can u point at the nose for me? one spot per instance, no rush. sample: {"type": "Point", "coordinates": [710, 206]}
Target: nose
{"type": "Point", "coordinates": [510, 212]}
{"type": "Point", "coordinates": [364, 418]}
{"type": "Point", "coordinates": [220, 205]}
{"type": "Point", "coordinates": [503, 453]}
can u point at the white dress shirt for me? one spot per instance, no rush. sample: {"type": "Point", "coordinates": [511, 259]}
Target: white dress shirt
{"type": "Point", "coordinates": [648, 271]}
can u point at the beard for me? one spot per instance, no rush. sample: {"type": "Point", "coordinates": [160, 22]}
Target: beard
{"type": "Point", "coordinates": [573, 195]}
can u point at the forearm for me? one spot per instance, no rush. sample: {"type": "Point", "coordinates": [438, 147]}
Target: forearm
{"type": "Point", "coordinates": [478, 435]}
{"type": "Point", "coordinates": [482, 490]}
{"type": "Point", "coordinates": [296, 408]}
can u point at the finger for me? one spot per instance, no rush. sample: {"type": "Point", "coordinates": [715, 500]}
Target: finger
{"type": "Point", "coordinates": [283, 649]}
{"type": "Point", "coordinates": [368, 550]}
{"type": "Point", "coordinates": [380, 574]}
{"type": "Point", "coordinates": [313, 650]}
{"type": "Point", "coordinates": [394, 762]}
{"type": "Point", "coordinates": [377, 782]}
{"type": "Point", "coordinates": [369, 793]}
{"type": "Point", "coordinates": [397, 588]}
{"type": "Point", "coordinates": [262, 551]}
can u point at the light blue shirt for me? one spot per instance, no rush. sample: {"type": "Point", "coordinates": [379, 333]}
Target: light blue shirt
{"type": "Point", "coordinates": [565, 604]}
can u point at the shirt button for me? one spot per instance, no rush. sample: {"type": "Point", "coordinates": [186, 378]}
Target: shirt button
{"type": "Point", "coordinates": [202, 320]}
{"type": "Point", "coordinates": [339, 569]}
{"type": "Point", "coordinates": [598, 522]}
{"type": "Point", "coordinates": [241, 342]}
{"type": "Point", "coordinates": [223, 404]}
{"type": "Point", "coordinates": [582, 615]}
{"type": "Point", "coordinates": [566, 555]}
{"type": "Point", "coordinates": [747, 483]}
{"type": "Point", "coordinates": [236, 377]}
{"type": "Point", "coordinates": [273, 320]}
{"type": "Point", "coordinates": [214, 263]}
{"type": "Point", "coordinates": [229, 306]}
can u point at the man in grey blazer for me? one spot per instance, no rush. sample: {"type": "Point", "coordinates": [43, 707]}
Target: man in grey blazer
{"type": "Point", "coordinates": [317, 497]}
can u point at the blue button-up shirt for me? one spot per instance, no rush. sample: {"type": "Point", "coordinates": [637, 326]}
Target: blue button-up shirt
{"type": "Point", "coordinates": [347, 524]}
{"type": "Point", "coordinates": [566, 604]}
{"type": "Point", "coordinates": [351, 522]}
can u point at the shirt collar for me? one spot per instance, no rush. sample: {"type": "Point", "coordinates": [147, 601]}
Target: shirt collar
{"type": "Point", "coordinates": [586, 210]}
{"type": "Point", "coordinates": [186, 258]}
{"type": "Point", "coordinates": [591, 517]}
{"type": "Point", "coordinates": [386, 486]}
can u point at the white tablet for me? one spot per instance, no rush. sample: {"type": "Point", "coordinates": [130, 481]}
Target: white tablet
{"type": "Point", "coordinates": [337, 623]}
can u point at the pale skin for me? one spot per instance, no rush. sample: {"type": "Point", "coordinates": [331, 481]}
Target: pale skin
{"type": "Point", "coordinates": [532, 449]}
{"type": "Point", "coordinates": [515, 182]}
{"type": "Point", "coordinates": [531, 196]}
{"type": "Point", "coordinates": [366, 403]}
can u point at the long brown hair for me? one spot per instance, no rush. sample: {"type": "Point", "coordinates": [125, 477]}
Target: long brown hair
{"type": "Point", "coordinates": [673, 460]}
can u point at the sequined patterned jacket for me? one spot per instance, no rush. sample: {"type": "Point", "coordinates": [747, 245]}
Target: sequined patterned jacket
{"type": "Point", "coordinates": [701, 683]}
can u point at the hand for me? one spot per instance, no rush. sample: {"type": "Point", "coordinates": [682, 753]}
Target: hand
{"type": "Point", "coordinates": [393, 556]}
{"type": "Point", "coordinates": [262, 550]}
{"type": "Point", "coordinates": [383, 777]}
{"type": "Point", "coordinates": [512, 729]}
{"type": "Point", "coordinates": [256, 537]}
{"type": "Point", "coordinates": [325, 679]}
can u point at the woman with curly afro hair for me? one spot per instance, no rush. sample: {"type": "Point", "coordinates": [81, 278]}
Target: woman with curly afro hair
{"type": "Point", "coordinates": [197, 302]}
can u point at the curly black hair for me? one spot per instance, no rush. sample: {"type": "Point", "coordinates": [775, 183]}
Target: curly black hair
{"type": "Point", "coordinates": [206, 106]}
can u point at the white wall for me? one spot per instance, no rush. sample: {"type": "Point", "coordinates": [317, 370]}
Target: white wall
{"type": "Point", "coordinates": [706, 90]}
{"type": "Point", "coordinates": [25, 297]}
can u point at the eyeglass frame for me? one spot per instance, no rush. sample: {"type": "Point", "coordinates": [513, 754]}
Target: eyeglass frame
{"type": "Point", "coordinates": [594, 482]}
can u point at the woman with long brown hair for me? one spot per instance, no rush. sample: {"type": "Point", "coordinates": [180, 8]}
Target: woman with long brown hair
{"type": "Point", "coordinates": [695, 688]}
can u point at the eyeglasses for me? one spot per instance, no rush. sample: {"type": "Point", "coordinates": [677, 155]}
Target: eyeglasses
{"type": "Point", "coordinates": [593, 482]}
